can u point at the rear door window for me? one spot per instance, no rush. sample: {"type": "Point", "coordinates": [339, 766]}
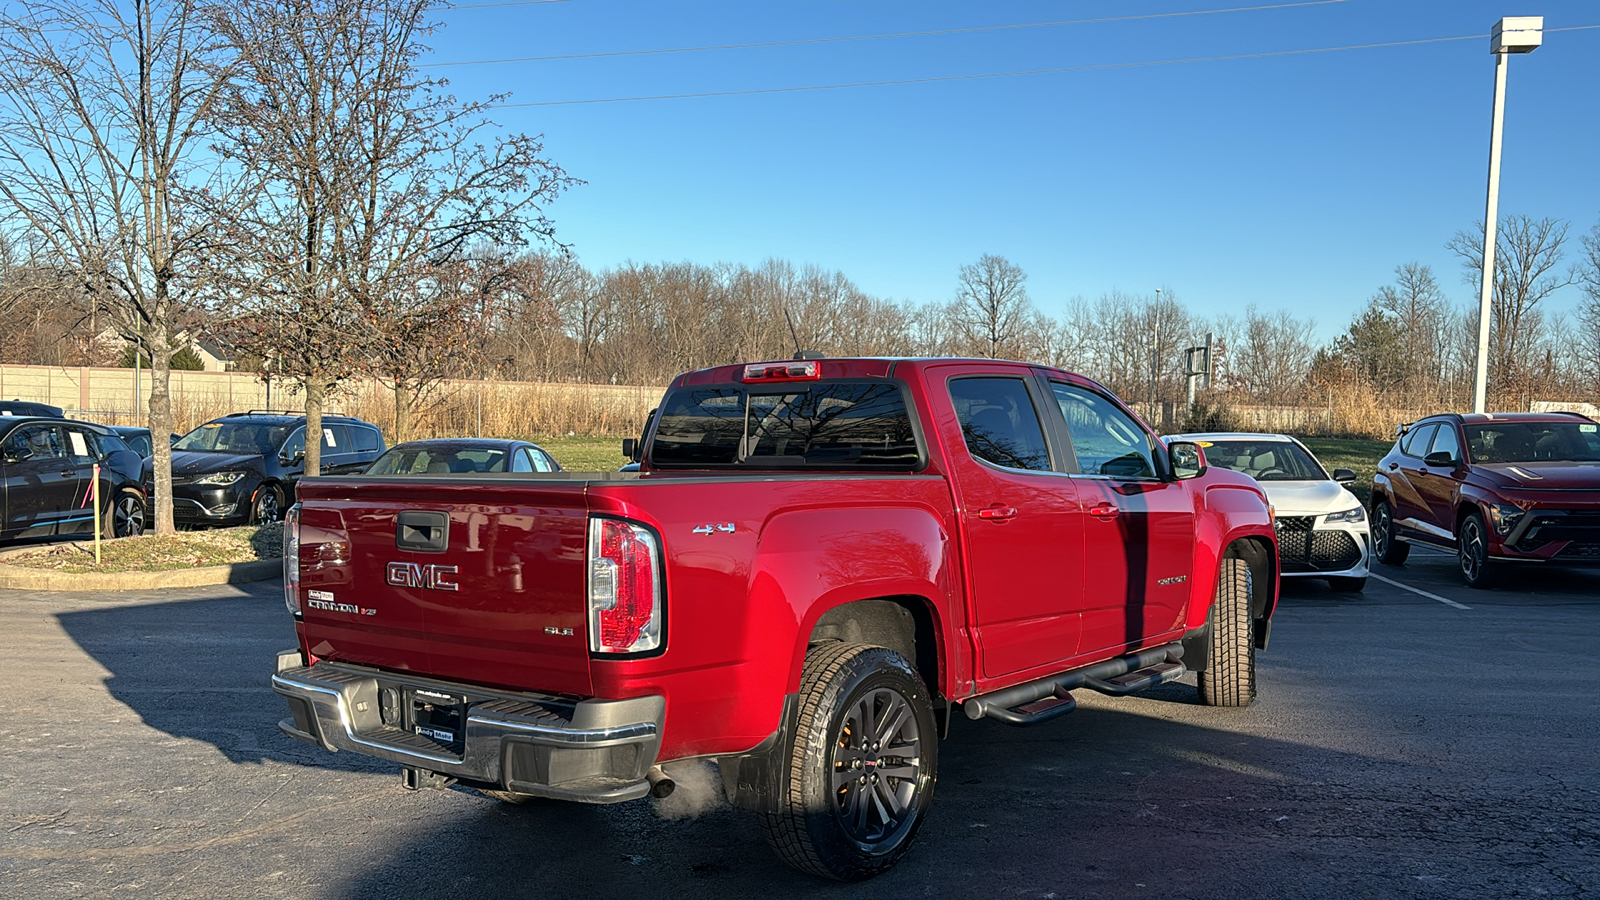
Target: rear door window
{"type": "Point", "coordinates": [999, 422]}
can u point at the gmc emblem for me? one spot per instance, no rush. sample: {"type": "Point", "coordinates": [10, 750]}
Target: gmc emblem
{"type": "Point", "coordinates": [412, 575]}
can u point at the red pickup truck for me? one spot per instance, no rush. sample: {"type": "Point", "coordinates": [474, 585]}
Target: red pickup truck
{"type": "Point", "coordinates": [817, 562]}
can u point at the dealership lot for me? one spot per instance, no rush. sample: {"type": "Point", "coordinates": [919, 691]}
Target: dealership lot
{"type": "Point", "coordinates": [1420, 739]}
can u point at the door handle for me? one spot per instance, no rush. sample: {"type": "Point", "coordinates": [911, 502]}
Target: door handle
{"type": "Point", "coordinates": [1104, 510]}
{"type": "Point", "coordinates": [998, 512]}
{"type": "Point", "coordinates": [1393, 466]}
{"type": "Point", "coordinates": [68, 473]}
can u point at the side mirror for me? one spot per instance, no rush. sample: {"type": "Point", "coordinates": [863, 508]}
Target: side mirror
{"type": "Point", "coordinates": [1444, 459]}
{"type": "Point", "coordinates": [630, 448]}
{"type": "Point", "coordinates": [1344, 476]}
{"type": "Point", "coordinates": [1188, 460]}
{"type": "Point", "coordinates": [295, 460]}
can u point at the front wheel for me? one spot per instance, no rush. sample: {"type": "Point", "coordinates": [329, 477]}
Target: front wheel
{"type": "Point", "coordinates": [268, 505]}
{"type": "Point", "coordinates": [1229, 678]}
{"type": "Point", "coordinates": [1472, 552]}
{"type": "Point", "coordinates": [861, 770]}
{"type": "Point", "coordinates": [1384, 545]}
{"type": "Point", "coordinates": [125, 518]}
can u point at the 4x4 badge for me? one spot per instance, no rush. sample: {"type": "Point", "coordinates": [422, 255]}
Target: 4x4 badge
{"type": "Point", "coordinates": [725, 528]}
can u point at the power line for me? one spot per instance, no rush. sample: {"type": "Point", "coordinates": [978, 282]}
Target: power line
{"type": "Point", "coordinates": [1054, 71]}
{"type": "Point", "coordinates": [870, 37]}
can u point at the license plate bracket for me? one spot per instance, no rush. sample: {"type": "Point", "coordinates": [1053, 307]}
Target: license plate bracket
{"type": "Point", "coordinates": [438, 716]}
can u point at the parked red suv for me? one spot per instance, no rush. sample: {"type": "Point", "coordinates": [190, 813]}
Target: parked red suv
{"type": "Point", "coordinates": [1494, 488]}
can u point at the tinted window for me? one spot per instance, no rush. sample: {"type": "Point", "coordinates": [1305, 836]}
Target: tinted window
{"type": "Point", "coordinates": [1445, 442]}
{"type": "Point", "coordinates": [1505, 442]}
{"type": "Point", "coordinates": [1106, 440]}
{"type": "Point", "coordinates": [438, 461]}
{"type": "Point", "coordinates": [523, 461]}
{"type": "Point", "coordinates": [366, 439]}
{"type": "Point", "coordinates": [335, 439]}
{"type": "Point", "coordinates": [999, 422]}
{"type": "Point", "coordinates": [234, 437]}
{"type": "Point", "coordinates": [831, 424]}
{"type": "Point", "coordinates": [295, 445]}
{"type": "Point", "coordinates": [34, 442]}
{"type": "Point", "coordinates": [1415, 443]}
{"type": "Point", "coordinates": [1264, 460]}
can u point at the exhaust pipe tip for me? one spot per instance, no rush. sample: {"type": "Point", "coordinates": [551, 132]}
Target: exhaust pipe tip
{"type": "Point", "coordinates": [661, 784]}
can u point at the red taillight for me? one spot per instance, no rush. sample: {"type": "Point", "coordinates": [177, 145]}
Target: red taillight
{"type": "Point", "coordinates": [782, 371]}
{"type": "Point", "coordinates": [291, 559]}
{"type": "Point", "coordinates": [624, 588]}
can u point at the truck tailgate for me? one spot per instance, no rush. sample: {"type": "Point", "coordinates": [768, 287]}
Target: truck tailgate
{"type": "Point", "coordinates": [476, 580]}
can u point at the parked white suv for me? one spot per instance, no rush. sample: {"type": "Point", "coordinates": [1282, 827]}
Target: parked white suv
{"type": "Point", "coordinates": [1322, 527]}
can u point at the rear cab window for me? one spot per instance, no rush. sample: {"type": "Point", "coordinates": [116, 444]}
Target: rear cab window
{"type": "Point", "coordinates": [820, 424]}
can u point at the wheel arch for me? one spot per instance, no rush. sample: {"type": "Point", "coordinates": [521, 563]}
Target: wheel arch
{"type": "Point", "coordinates": [904, 623]}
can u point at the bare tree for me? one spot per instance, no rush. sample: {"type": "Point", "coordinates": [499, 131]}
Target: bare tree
{"type": "Point", "coordinates": [102, 109]}
{"type": "Point", "coordinates": [1528, 253]}
{"type": "Point", "coordinates": [991, 304]}
{"type": "Point", "coordinates": [370, 181]}
{"type": "Point", "coordinates": [1588, 330]}
{"type": "Point", "coordinates": [1418, 307]}
{"type": "Point", "coordinates": [1273, 355]}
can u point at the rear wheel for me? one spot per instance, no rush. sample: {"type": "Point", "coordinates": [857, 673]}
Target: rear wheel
{"type": "Point", "coordinates": [1472, 552]}
{"type": "Point", "coordinates": [1384, 545]}
{"type": "Point", "coordinates": [1229, 678]}
{"type": "Point", "coordinates": [861, 770]}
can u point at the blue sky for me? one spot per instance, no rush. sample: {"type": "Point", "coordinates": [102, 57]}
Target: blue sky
{"type": "Point", "coordinates": [1290, 182]}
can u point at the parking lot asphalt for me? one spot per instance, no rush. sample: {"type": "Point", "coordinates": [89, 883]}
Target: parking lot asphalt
{"type": "Point", "coordinates": [1402, 746]}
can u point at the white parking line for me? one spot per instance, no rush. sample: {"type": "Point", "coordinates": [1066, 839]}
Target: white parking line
{"type": "Point", "coordinates": [1445, 600]}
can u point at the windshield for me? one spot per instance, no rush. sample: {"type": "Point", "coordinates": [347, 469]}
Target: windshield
{"type": "Point", "coordinates": [438, 461]}
{"type": "Point", "coordinates": [235, 437]}
{"type": "Point", "coordinates": [1264, 460]}
{"type": "Point", "coordinates": [838, 425]}
{"type": "Point", "coordinates": [1518, 442]}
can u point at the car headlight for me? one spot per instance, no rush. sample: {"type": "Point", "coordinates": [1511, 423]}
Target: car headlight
{"type": "Point", "coordinates": [220, 478]}
{"type": "Point", "coordinates": [1504, 516]}
{"type": "Point", "coordinates": [1353, 514]}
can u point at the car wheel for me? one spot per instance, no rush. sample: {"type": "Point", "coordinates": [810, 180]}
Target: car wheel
{"type": "Point", "coordinates": [125, 517]}
{"type": "Point", "coordinates": [1384, 545]}
{"type": "Point", "coordinates": [1345, 584]}
{"type": "Point", "coordinates": [861, 770]}
{"type": "Point", "coordinates": [1472, 551]}
{"type": "Point", "coordinates": [268, 505]}
{"type": "Point", "coordinates": [1229, 678]}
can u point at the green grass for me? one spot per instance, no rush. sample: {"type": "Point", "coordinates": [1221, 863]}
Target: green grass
{"type": "Point", "coordinates": [1359, 454]}
{"type": "Point", "coordinates": [584, 454]}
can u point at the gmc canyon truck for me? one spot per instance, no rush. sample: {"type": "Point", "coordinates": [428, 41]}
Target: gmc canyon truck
{"type": "Point", "coordinates": [817, 563]}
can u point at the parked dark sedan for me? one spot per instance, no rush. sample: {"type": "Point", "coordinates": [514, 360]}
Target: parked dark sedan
{"type": "Point", "coordinates": [242, 467]}
{"type": "Point", "coordinates": [1495, 488]}
{"type": "Point", "coordinates": [445, 456]}
{"type": "Point", "coordinates": [47, 465]}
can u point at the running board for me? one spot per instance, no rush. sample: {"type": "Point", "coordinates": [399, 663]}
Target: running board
{"type": "Point", "coordinates": [1050, 698]}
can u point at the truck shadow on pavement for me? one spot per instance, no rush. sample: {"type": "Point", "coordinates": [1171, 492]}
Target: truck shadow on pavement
{"type": "Point", "coordinates": [201, 668]}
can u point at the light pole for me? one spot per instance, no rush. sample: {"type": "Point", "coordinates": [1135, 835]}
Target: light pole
{"type": "Point", "coordinates": [1512, 34]}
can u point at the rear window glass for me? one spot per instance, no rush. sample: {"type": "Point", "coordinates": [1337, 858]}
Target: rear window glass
{"type": "Point", "coordinates": [843, 424]}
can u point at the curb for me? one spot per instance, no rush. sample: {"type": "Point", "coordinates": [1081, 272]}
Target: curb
{"type": "Point", "coordinates": [30, 579]}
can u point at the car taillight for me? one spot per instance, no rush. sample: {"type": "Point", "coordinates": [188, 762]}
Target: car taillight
{"type": "Point", "coordinates": [624, 587]}
{"type": "Point", "coordinates": [291, 560]}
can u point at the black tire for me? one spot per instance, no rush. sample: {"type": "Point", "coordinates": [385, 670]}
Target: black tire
{"type": "Point", "coordinates": [125, 517]}
{"type": "Point", "coordinates": [1472, 552]}
{"type": "Point", "coordinates": [1385, 546]}
{"type": "Point", "coordinates": [267, 506]}
{"type": "Point", "coordinates": [511, 797]}
{"type": "Point", "coordinates": [829, 813]}
{"type": "Point", "coordinates": [1229, 678]}
{"type": "Point", "coordinates": [1347, 584]}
